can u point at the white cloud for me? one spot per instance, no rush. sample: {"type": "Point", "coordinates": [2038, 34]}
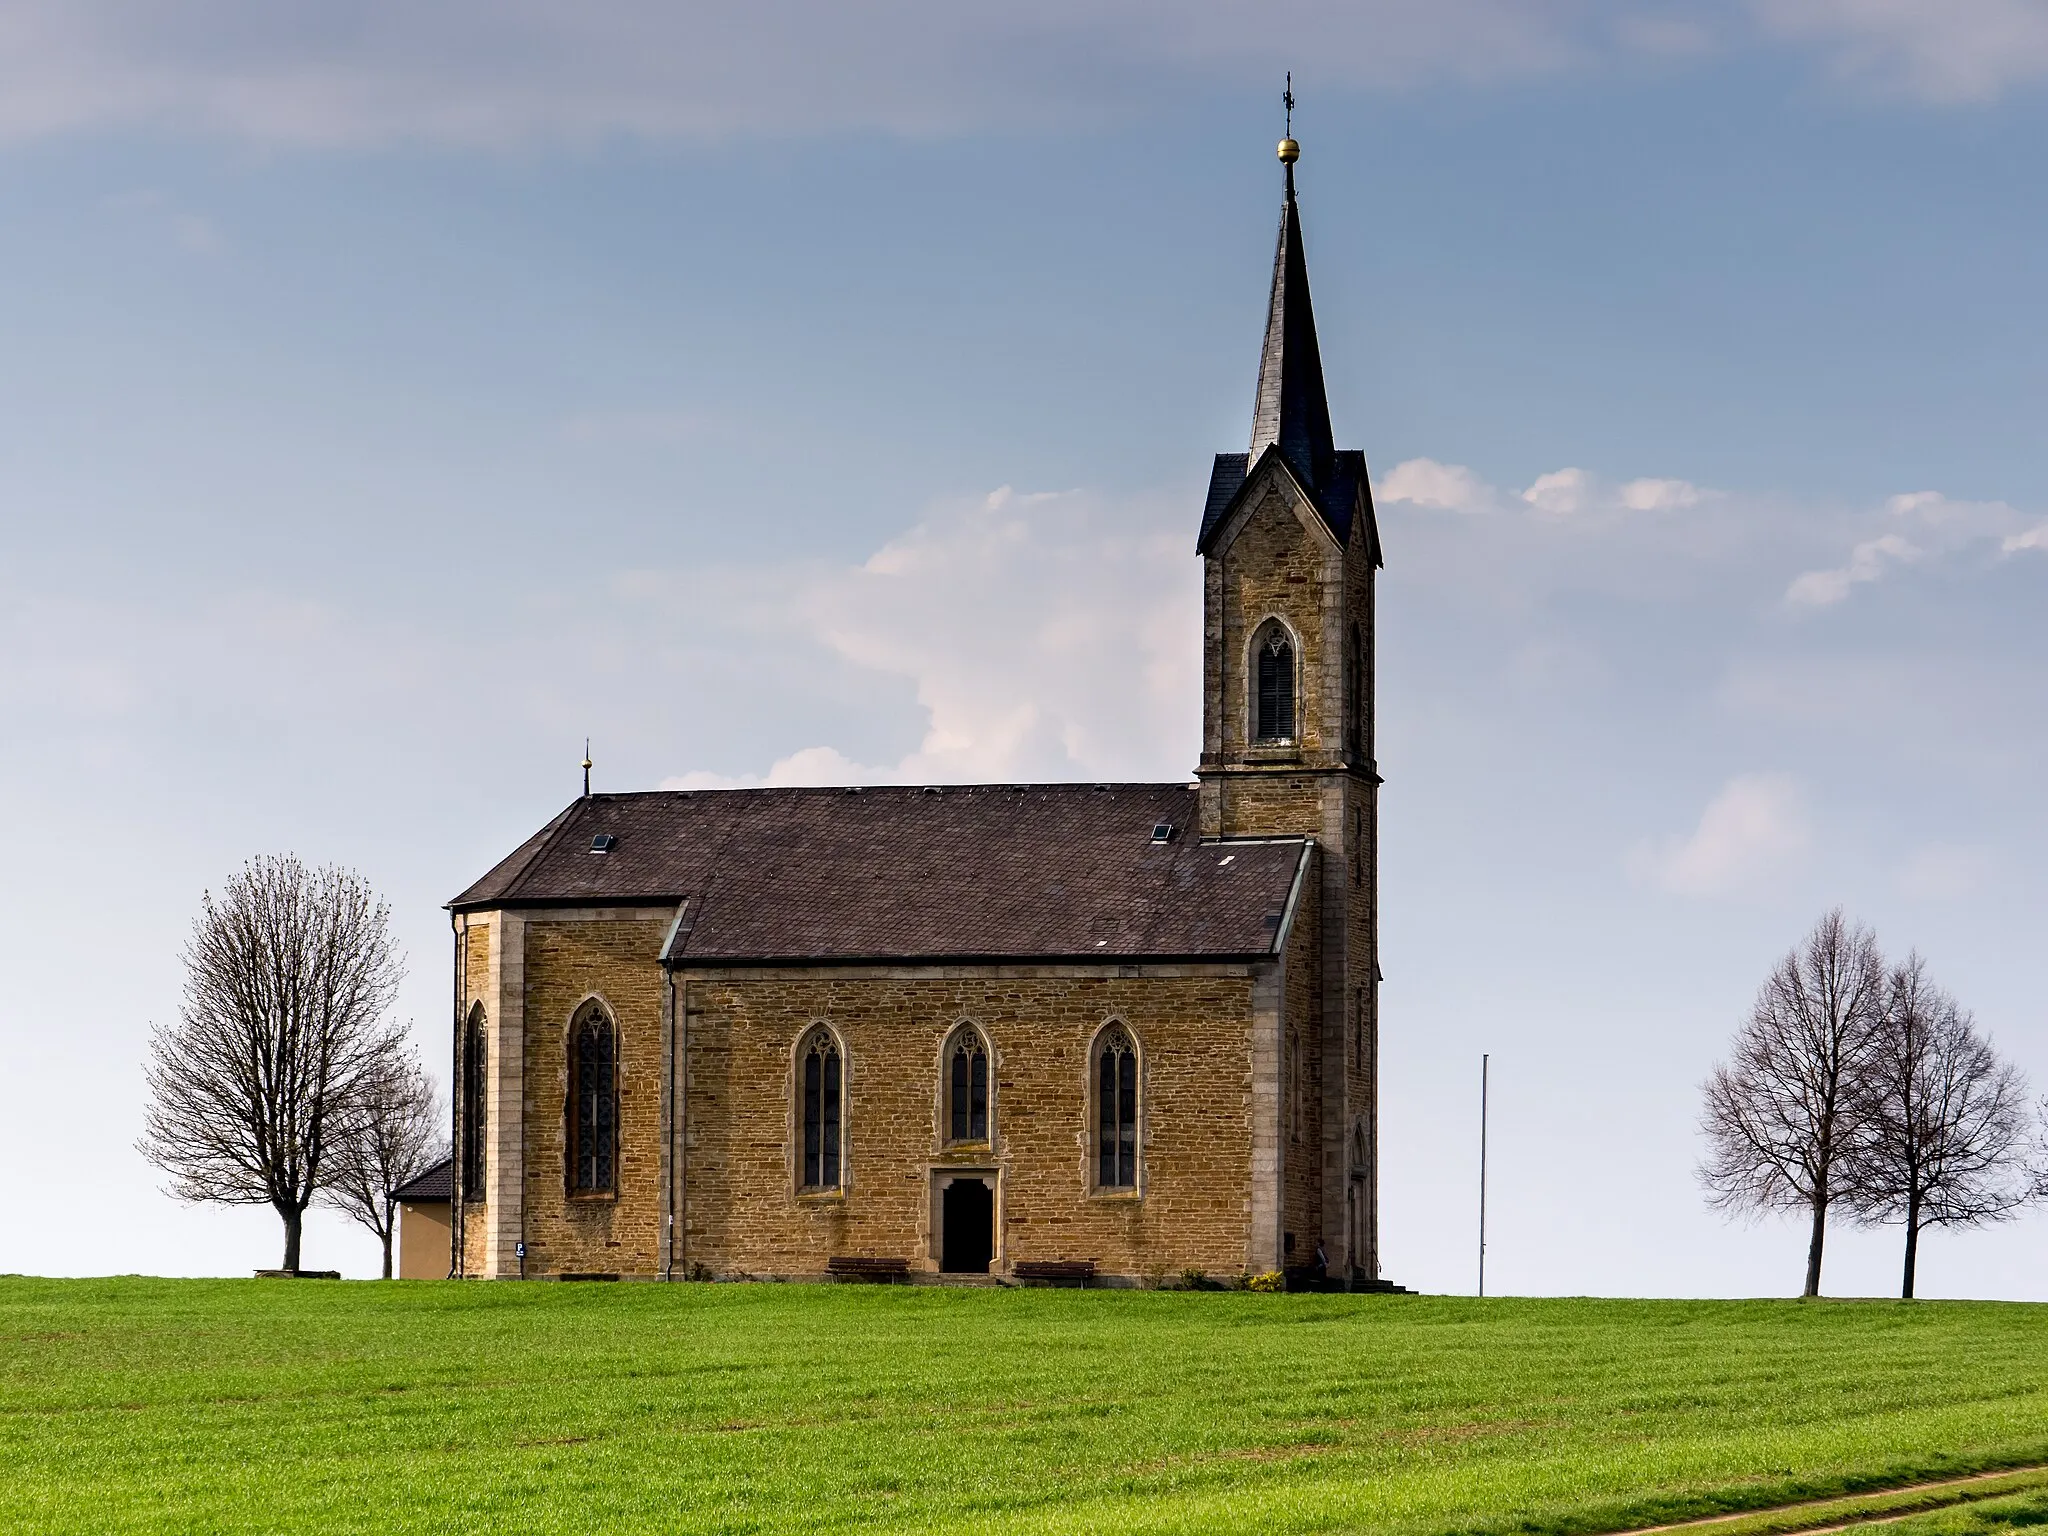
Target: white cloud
{"type": "Point", "coordinates": [1560, 493]}
{"type": "Point", "coordinates": [1867, 562]}
{"type": "Point", "coordinates": [1577, 492]}
{"type": "Point", "coordinates": [1047, 636]}
{"type": "Point", "coordinates": [1940, 524]}
{"type": "Point", "coordinates": [1755, 827]}
{"type": "Point", "coordinates": [508, 72]}
{"type": "Point", "coordinates": [1935, 50]}
{"type": "Point", "coordinates": [1426, 483]}
{"type": "Point", "coordinates": [809, 767]}
{"type": "Point", "coordinates": [2034, 538]}
{"type": "Point", "coordinates": [1955, 519]}
{"type": "Point", "coordinates": [1660, 495]}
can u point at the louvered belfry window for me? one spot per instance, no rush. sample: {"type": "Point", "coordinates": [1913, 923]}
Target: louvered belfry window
{"type": "Point", "coordinates": [474, 1058]}
{"type": "Point", "coordinates": [822, 1091]}
{"type": "Point", "coordinates": [967, 1087]}
{"type": "Point", "coordinates": [594, 1106]}
{"type": "Point", "coordinates": [1116, 1107]}
{"type": "Point", "coordinates": [1275, 704]}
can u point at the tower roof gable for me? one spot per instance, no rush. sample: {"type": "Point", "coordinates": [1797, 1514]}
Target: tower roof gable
{"type": "Point", "coordinates": [1346, 497]}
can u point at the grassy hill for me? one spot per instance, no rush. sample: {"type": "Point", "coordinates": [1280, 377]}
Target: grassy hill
{"type": "Point", "coordinates": [267, 1406]}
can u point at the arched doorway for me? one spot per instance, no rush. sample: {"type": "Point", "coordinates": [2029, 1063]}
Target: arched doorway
{"type": "Point", "coordinates": [967, 1225]}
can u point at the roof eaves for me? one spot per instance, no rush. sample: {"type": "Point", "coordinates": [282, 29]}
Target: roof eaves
{"type": "Point", "coordinates": [660, 898]}
{"type": "Point", "coordinates": [1106, 959]}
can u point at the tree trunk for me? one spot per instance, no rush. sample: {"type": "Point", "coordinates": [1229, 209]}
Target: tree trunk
{"type": "Point", "coordinates": [1912, 1246]}
{"type": "Point", "coordinates": [387, 1250]}
{"type": "Point", "coordinates": [293, 1221]}
{"type": "Point", "coordinates": [1814, 1246]}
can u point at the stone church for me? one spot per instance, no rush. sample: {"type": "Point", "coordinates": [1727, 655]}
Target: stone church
{"type": "Point", "coordinates": [1027, 1031]}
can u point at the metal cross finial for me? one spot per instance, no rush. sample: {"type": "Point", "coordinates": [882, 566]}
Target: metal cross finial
{"type": "Point", "coordinates": [1287, 98]}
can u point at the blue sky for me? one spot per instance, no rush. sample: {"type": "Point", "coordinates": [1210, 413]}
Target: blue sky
{"type": "Point", "coordinates": [392, 398]}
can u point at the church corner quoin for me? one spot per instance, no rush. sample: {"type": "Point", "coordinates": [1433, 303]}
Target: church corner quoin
{"type": "Point", "coordinates": [1128, 1030]}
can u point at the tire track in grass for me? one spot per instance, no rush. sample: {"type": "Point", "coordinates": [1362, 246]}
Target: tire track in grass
{"type": "Point", "coordinates": [1815, 1517]}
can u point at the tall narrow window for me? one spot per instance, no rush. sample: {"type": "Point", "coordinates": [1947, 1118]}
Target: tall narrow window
{"type": "Point", "coordinates": [967, 1086]}
{"type": "Point", "coordinates": [1274, 704]}
{"type": "Point", "coordinates": [593, 1105]}
{"type": "Point", "coordinates": [474, 1059]}
{"type": "Point", "coordinates": [1116, 1109]}
{"type": "Point", "coordinates": [822, 1076]}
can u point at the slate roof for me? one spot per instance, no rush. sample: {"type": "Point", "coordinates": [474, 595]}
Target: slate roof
{"type": "Point", "coordinates": [1291, 412]}
{"type": "Point", "coordinates": [961, 872]}
{"type": "Point", "coordinates": [437, 1183]}
{"type": "Point", "coordinates": [1348, 486]}
{"type": "Point", "coordinates": [1291, 409]}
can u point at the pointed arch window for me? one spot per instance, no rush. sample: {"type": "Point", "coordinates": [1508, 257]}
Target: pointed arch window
{"type": "Point", "coordinates": [593, 1104]}
{"type": "Point", "coordinates": [1273, 696]}
{"type": "Point", "coordinates": [474, 1063]}
{"type": "Point", "coordinates": [1116, 1110]}
{"type": "Point", "coordinates": [967, 1111]}
{"type": "Point", "coordinates": [821, 1080]}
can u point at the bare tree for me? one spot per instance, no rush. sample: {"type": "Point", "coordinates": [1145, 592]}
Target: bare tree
{"type": "Point", "coordinates": [288, 977]}
{"type": "Point", "coordinates": [1781, 1113]}
{"type": "Point", "coordinates": [389, 1134]}
{"type": "Point", "coordinates": [1945, 1138]}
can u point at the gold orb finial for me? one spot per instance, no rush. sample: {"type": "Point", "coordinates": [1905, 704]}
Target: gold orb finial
{"type": "Point", "coordinates": [1289, 151]}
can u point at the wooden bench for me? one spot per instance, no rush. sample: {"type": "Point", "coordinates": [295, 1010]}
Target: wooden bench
{"type": "Point", "coordinates": [1076, 1272]}
{"type": "Point", "coordinates": [877, 1271]}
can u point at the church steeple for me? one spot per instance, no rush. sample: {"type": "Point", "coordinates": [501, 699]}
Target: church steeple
{"type": "Point", "coordinates": [1292, 409]}
{"type": "Point", "coordinates": [1289, 556]}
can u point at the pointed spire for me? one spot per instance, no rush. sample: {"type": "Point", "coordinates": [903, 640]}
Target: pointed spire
{"type": "Point", "coordinates": [1292, 409]}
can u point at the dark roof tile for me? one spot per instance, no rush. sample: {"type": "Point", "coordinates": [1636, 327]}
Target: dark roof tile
{"type": "Point", "coordinates": [437, 1183]}
{"type": "Point", "coordinates": [986, 872]}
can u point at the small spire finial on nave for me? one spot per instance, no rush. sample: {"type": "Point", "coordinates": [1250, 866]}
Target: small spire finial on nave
{"type": "Point", "coordinates": [1289, 150]}
{"type": "Point", "coordinates": [586, 767]}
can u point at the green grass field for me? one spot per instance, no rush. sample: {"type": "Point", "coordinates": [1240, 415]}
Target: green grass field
{"type": "Point", "coordinates": [270, 1406]}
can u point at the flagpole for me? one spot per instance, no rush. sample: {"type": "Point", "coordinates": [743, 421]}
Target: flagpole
{"type": "Point", "coordinates": [1483, 1065]}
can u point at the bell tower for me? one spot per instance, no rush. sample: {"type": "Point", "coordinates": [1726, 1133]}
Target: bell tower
{"type": "Point", "coordinates": [1290, 548]}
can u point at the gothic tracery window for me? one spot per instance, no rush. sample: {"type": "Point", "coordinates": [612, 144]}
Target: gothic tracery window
{"type": "Point", "coordinates": [967, 1116]}
{"type": "Point", "coordinates": [1273, 704]}
{"type": "Point", "coordinates": [593, 1105]}
{"type": "Point", "coordinates": [474, 1059]}
{"type": "Point", "coordinates": [1116, 1110]}
{"type": "Point", "coordinates": [821, 1078]}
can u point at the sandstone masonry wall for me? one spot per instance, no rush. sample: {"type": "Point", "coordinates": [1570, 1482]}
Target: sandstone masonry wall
{"type": "Point", "coordinates": [745, 1215]}
{"type": "Point", "coordinates": [570, 963]}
